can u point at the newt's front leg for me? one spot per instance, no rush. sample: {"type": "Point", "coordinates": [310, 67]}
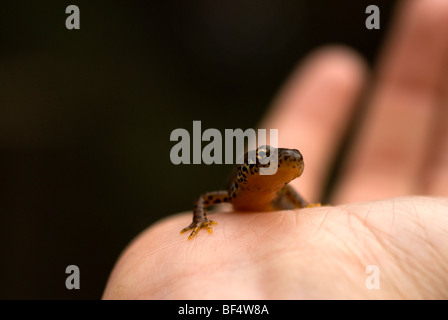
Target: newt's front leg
{"type": "Point", "coordinates": [200, 211]}
{"type": "Point", "coordinates": [294, 199]}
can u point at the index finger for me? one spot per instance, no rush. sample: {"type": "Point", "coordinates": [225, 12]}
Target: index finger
{"type": "Point", "coordinates": [313, 110]}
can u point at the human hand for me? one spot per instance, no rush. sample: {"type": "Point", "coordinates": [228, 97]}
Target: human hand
{"type": "Point", "coordinates": [401, 149]}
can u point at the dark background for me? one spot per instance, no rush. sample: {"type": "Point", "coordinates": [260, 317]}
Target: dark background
{"type": "Point", "coordinates": [86, 116]}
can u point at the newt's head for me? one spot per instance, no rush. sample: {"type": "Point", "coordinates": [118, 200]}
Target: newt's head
{"type": "Point", "coordinates": [271, 166]}
{"type": "Point", "coordinates": [262, 173]}
{"type": "Point", "coordinates": [290, 163]}
{"type": "Point", "coordinates": [287, 163]}
{"type": "Point", "coordinates": [252, 189]}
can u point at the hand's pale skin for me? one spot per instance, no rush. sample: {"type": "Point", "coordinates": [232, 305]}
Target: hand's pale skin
{"type": "Point", "coordinates": [400, 151]}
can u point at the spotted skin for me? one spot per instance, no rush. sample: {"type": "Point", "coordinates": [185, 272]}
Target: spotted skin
{"type": "Point", "coordinates": [248, 190]}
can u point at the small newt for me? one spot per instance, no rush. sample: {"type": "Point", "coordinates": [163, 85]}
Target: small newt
{"type": "Point", "coordinates": [248, 190]}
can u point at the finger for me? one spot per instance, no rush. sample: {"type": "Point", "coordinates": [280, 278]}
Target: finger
{"type": "Point", "coordinates": [391, 150]}
{"type": "Point", "coordinates": [313, 111]}
{"type": "Point", "coordinates": [436, 172]}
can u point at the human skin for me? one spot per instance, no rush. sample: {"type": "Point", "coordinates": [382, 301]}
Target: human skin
{"type": "Point", "coordinates": [389, 206]}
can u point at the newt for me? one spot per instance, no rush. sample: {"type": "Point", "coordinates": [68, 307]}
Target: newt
{"type": "Point", "coordinates": [248, 190]}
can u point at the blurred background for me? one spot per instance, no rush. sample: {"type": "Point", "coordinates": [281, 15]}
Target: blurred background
{"type": "Point", "coordinates": [86, 116]}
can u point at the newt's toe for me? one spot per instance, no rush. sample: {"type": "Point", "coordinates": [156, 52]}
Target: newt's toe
{"type": "Point", "coordinates": [313, 205]}
{"type": "Point", "coordinates": [196, 226]}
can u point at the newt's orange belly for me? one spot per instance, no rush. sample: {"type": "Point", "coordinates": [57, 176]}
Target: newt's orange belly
{"type": "Point", "coordinates": [253, 200]}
